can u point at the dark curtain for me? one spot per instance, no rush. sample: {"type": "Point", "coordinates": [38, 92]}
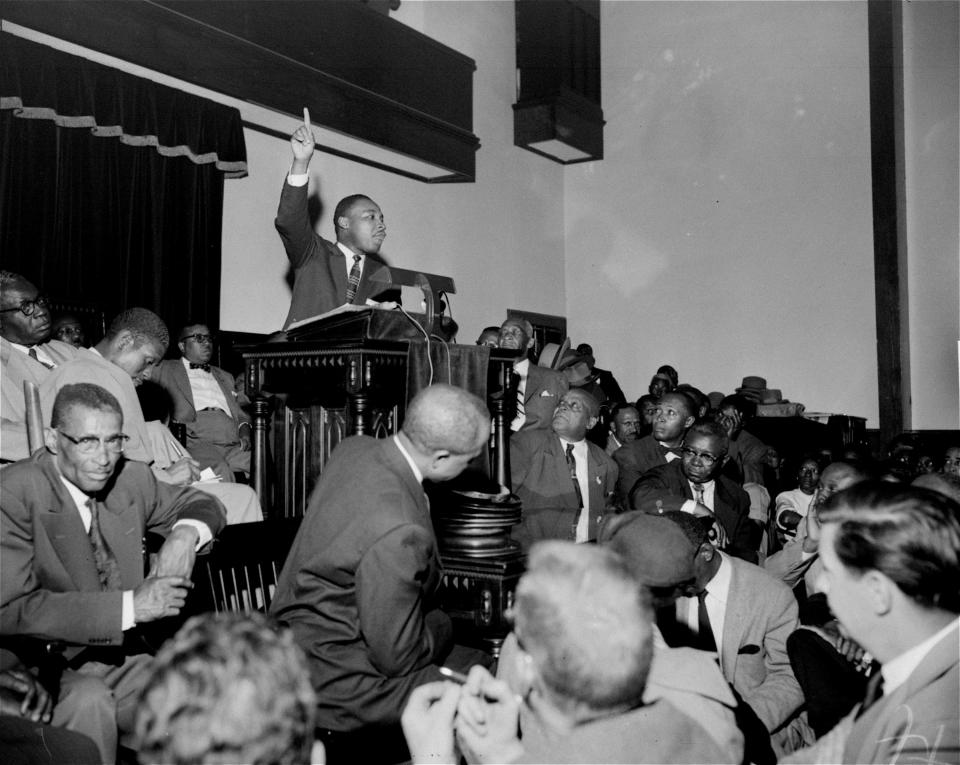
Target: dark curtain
{"type": "Point", "coordinates": [90, 218]}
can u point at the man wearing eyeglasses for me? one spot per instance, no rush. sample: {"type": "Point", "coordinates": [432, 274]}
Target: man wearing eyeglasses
{"type": "Point", "coordinates": [694, 484]}
{"type": "Point", "coordinates": [26, 354]}
{"type": "Point", "coordinates": [206, 399]}
{"type": "Point", "coordinates": [563, 480]}
{"type": "Point", "coordinates": [73, 518]}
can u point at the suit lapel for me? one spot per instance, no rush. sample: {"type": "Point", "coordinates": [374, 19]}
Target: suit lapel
{"type": "Point", "coordinates": [228, 393]}
{"type": "Point", "coordinates": [64, 529]}
{"type": "Point", "coordinates": [533, 383]}
{"type": "Point", "coordinates": [182, 380]}
{"type": "Point", "coordinates": [723, 506]}
{"type": "Point", "coordinates": [734, 619]}
{"type": "Point", "coordinates": [123, 532]}
{"type": "Point", "coordinates": [336, 263]}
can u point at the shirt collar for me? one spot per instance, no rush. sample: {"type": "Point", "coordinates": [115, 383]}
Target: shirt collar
{"type": "Point", "coordinates": [348, 253]}
{"type": "Point", "coordinates": [719, 586]}
{"type": "Point", "coordinates": [79, 498]}
{"type": "Point", "coordinates": [896, 671]}
{"type": "Point", "coordinates": [522, 367]}
{"type": "Point", "coordinates": [409, 459]}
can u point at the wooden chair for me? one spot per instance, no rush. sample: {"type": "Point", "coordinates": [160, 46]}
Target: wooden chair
{"type": "Point", "coordinates": [241, 572]}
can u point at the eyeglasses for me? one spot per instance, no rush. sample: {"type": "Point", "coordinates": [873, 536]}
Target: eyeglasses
{"type": "Point", "coordinates": [705, 457]}
{"type": "Point", "coordinates": [29, 307]}
{"type": "Point", "coordinates": [573, 406]}
{"type": "Point", "coordinates": [200, 338]}
{"type": "Point", "coordinates": [90, 444]}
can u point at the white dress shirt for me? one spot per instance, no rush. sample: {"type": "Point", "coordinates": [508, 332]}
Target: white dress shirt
{"type": "Point", "coordinates": [522, 368]}
{"type": "Point", "coordinates": [580, 453]}
{"type": "Point", "coordinates": [42, 356]}
{"type": "Point", "coordinates": [207, 393]}
{"type": "Point", "coordinates": [896, 671]}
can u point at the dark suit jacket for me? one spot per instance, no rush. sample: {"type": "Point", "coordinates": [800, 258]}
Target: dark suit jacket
{"type": "Point", "coordinates": [541, 479]}
{"type": "Point", "coordinates": [358, 587]}
{"type": "Point", "coordinates": [320, 273]}
{"type": "Point", "coordinates": [635, 459]}
{"type": "Point", "coordinates": [172, 375]}
{"type": "Point", "coordinates": [666, 488]}
{"type": "Point", "coordinates": [545, 387]}
{"type": "Point", "coordinates": [49, 586]}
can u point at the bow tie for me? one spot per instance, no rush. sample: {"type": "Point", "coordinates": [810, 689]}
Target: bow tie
{"type": "Point", "coordinates": [204, 367]}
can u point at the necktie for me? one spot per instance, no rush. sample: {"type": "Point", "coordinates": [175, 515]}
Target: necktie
{"type": "Point", "coordinates": [698, 493]}
{"type": "Point", "coordinates": [102, 556]}
{"type": "Point", "coordinates": [572, 464]}
{"type": "Point", "coordinates": [353, 280]}
{"type": "Point", "coordinates": [873, 693]}
{"type": "Point", "coordinates": [705, 639]}
{"type": "Point", "coordinates": [32, 353]}
{"type": "Point", "coordinates": [204, 367]}
{"type": "Point", "coordinates": [520, 417]}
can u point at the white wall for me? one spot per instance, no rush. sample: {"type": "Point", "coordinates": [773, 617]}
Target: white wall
{"type": "Point", "coordinates": [931, 85]}
{"type": "Point", "coordinates": [728, 229]}
{"type": "Point", "coordinates": [501, 238]}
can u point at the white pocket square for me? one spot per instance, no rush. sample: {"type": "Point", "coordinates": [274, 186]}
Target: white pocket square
{"type": "Point", "coordinates": [545, 394]}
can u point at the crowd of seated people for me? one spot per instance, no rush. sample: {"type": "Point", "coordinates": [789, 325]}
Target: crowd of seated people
{"type": "Point", "coordinates": [730, 610]}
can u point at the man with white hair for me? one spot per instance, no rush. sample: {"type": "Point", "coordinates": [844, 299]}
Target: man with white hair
{"type": "Point", "coordinates": [584, 628]}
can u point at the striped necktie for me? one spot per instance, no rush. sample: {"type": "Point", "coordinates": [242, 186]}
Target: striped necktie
{"type": "Point", "coordinates": [353, 280]}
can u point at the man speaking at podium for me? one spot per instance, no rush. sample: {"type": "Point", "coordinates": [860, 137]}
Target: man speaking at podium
{"type": "Point", "coordinates": [327, 275]}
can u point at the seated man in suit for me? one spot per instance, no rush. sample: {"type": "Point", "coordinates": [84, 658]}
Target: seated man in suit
{"type": "Point", "coordinates": [327, 275]}
{"type": "Point", "coordinates": [624, 426]}
{"type": "Point", "coordinates": [228, 687]}
{"type": "Point", "coordinates": [563, 480]}
{"type": "Point", "coordinates": [581, 662]}
{"type": "Point", "coordinates": [740, 613]}
{"type": "Point", "coordinates": [747, 452]}
{"type": "Point", "coordinates": [675, 413]}
{"type": "Point", "coordinates": [890, 571]}
{"type": "Point", "coordinates": [126, 357]}
{"type": "Point", "coordinates": [26, 353]}
{"type": "Point", "coordinates": [539, 389]}
{"type": "Point", "coordinates": [695, 485]}
{"type": "Point", "coordinates": [205, 398]}
{"type": "Point", "coordinates": [359, 586]}
{"type": "Point", "coordinates": [73, 519]}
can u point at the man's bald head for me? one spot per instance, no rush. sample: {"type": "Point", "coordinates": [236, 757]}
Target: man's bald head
{"type": "Point", "coordinates": [446, 417]}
